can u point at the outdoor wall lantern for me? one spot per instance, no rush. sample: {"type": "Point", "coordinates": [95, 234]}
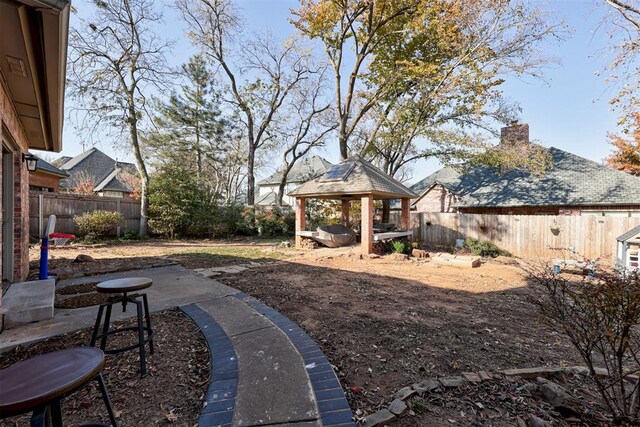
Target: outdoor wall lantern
{"type": "Point", "coordinates": [31, 161]}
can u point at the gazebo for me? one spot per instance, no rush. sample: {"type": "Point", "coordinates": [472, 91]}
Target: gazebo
{"type": "Point", "coordinates": [355, 179]}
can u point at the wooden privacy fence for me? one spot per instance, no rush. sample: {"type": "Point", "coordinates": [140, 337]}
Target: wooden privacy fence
{"type": "Point", "coordinates": [66, 206]}
{"type": "Point", "coordinates": [527, 236]}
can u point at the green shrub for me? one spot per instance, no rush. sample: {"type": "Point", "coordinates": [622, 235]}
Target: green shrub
{"type": "Point", "coordinates": [484, 248]}
{"type": "Point", "coordinates": [274, 223]}
{"type": "Point", "coordinates": [400, 247]}
{"type": "Point", "coordinates": [130, 235]}
{"type": "Point", "coordinates": [97, 223]}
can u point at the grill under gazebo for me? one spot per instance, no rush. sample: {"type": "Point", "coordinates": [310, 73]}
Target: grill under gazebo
{"type": "Point", "coordinates": [355, 179]}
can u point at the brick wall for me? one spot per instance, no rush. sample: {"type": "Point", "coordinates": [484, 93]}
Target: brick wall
{"type": "Point", "coordinates": [18, 144]}
{"type": "Point", "coordinates": [40, 179]}
{"type": "Point", "coordinates": [437, 199]}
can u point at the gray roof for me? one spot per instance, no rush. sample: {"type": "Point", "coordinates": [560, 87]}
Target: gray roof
{"type": "Point", "coordinates": [46, 167]}
{"type": "Point", "coordinates": [361, 178]}
{"type": "Point", "coordinates": [269, 199]}
{"type": "Point", "coordinates": [572, 181]}
{"type": "Point", "coordinates": [100, 168]}
{"type": "Point", "coordinates": [302, 171]}
{"type": "Point", "coordinates": [629, 234]}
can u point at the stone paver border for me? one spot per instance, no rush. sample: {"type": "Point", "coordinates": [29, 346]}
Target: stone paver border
{"type": "Point", "coordinates": [332, 404]}
{"type": "Point", "coordinates": [223, 384]}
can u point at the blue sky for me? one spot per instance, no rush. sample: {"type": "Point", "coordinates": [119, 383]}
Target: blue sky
{"type": "Point", "coordinates": [569, 111]}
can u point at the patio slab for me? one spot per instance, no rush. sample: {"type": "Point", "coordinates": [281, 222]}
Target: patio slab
{"type": "Point", "coordinates": [172, 286]}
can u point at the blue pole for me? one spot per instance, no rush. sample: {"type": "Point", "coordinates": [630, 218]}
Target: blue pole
{"type": "Point", "coordinates": [44, 259]}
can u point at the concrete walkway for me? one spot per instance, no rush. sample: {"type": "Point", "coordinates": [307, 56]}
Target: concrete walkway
{"type": "Point", "coordinates": [265, 370]}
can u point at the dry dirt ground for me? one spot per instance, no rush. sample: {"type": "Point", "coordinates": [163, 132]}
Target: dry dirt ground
{"type": "Point", "coordinates": [171, 393]}
{"type": "Point", "coordinates": [386, 324]}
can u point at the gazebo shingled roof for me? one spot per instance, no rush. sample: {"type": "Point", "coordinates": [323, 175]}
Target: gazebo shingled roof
{"type": "Point", "coordinates": [354, 179]}
{"type": "Point", "coordinates": [360, 178]}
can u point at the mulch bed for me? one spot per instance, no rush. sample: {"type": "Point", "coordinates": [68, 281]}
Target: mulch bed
{"type": "Point", "coordinates": [80, 301]}
{"type": "Point", "coordinates": [77, 289]}
{"type": "Point", "coordinates": [172, 392]}
{"type": "Point", "coordinates": [85, 295]}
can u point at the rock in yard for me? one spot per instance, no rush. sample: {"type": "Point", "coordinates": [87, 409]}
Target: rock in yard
{"type": "Point", "coordinates": [536, 421]}
{"type": "Point", "coordinates": [484, 375]}
{"type": "Point", "coordinates": [419, 253]}
{"type": "Point", "coordinates": [83, 258]}
{"type": "Point", "coordinates": [506, 260]}
{"type": "Point", "coordinates": [472, 377]}
{"type": "Point", "coordinates": [559, 398]}
{"type": "Point", "coordinates": [450, 382]}
{"type": "Point", "coordinates": [373, 256]}
{"type": "Point", "coordinates": [397, 407]}
{"type": "Point", "coordinates": [405, 393]}
{"type": "Point", "coordinates": [425, 386]}
{"type": "Point", "coordinates": [398, 257]}
{"type": "Point", "coordinates": [378, 418]}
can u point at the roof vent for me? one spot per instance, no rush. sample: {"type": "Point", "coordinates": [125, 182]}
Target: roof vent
{"type": "Point", "coordinates": [16, 65]}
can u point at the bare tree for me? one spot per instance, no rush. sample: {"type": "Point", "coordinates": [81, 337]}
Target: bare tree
{"type": "Point", "coordinates": [624, 32]}
{"type": "Point", "coordinates": [310, 122]}
{"type": "Point", "coordinates": [260, 72]}
{"type": "Point", "coordinates": [115, 61]}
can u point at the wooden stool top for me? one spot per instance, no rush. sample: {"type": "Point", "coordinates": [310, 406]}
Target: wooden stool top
{"type": "Point", "coordinates": [33, 382]}
{"type": "Point", "coordinates": [128, 284]}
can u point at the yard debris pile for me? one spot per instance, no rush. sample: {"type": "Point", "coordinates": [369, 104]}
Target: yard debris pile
{"type": "Point", "coordinates": [172, 392]}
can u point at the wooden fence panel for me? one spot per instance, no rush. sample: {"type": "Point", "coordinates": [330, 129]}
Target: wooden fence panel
{"type": "Point", "coordinates": [531, 236]}
{"type": "Point", "coordinates": [66, 206]}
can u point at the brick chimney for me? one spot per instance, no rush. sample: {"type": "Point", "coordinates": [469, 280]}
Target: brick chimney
{"type": "Point", "coordinates": [514, 134]}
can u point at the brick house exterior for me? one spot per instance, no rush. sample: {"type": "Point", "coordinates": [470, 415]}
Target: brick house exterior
{"type": "Point", "coordinates": [572, 186]}
{"type": "Point", "coordinates": [436, 199]}
{"type": "Point", "coordinates": [42, 181]}
{"type": "Point", "coordinates": [32, 78]}
{"type": "Point", "coordinates": [46, 177]}
{"type": "Point", "coordinates": [14, 144]}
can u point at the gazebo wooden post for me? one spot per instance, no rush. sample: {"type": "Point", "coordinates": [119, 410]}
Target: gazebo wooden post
{"type": "Point", "coordinates": [405, 216]}
{"type": "Point", "coordinates": [366, 226]}
{"type": "Point", "coordinates": [301, 220]}
{"type": "Point", "coordinates": [346, 204]}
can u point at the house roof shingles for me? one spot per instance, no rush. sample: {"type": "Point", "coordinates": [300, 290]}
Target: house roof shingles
{"type": "Point", "coordinates": [363, 178]}
{"type": "Point", "coordinates": [270, 199]}
{"type": "Point", "coordinates": [306, 169]}
{"type": "Point", "coordinates": [100, 168]}
{"type": "Point", "coordinates": [572, 181]}
{"type": "Point", "coordinates": [46, 167]}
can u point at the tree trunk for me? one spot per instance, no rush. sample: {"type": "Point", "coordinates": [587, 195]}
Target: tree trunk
{"type": "Point", "coordinates": [342, 141]}
{"type": "Point", "coordinates": [250, 176]}
{"type": "Point", "coordinates": [142, 171]}
{"type": "Point", "coordinates": [283, 183]}
{"type": "Point", "coordinates": [386, 210]}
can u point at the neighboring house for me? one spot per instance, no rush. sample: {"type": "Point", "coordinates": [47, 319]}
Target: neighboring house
{"type": "Point", "coordinates": [33, 52]}
{"type": "Point", "coordinates": [46, 177]}
{"type": "Point", "coordinates": [97, 170]}
{"type": "Point", "coordinates": [303, 171]}
{"type": "Point", "coordinates": [573, 186]}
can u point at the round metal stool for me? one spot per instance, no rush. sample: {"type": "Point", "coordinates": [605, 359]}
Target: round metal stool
{"type": "Point", "coordinates": [119, 292]}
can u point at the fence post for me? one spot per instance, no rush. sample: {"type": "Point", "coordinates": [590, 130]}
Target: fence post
{"type": "Point", "coordinates": [118, 210]}
{"type": "Point", "coordinates": [40, 214]}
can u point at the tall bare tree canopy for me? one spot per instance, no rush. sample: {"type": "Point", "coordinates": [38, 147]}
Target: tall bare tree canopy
{"type": "Point", "coordinates": [260, 72]}
{"type": "Point", "coordinates": [417, 66]}
{"type": "Point", "coordinates": [116, 59]}
{"type": "Point", "coordinates": [623, 23]}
